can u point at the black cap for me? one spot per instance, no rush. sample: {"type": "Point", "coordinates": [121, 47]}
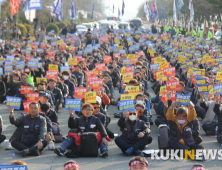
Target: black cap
{"type": "Point", "coordinates": [45, 107]}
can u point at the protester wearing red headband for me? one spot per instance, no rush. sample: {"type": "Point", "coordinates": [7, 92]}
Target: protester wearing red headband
{"type": "Point", "coordinates": [198, 167]}
{"type": "Point", "coordinates": [71, 165]}
{"type": "Point", "coordinates": [138, 163]}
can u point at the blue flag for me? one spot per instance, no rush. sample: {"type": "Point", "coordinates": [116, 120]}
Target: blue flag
{"type": "Point", "coordinates": [179, 5]}
{"type": "Point", "coordinates": [73, 11]}
{"type": "Point", "coordinates": [123, 6]}
{"type": "Point", "coordinates": [163, 12]}
{"type": "Point", "coordinates": [33, 4]}
{"type": "Point", "coordinates": [57, 9]}
{"type": "Point", "coordinates": [92, 12]}
{"type": "Point", "coordinates": [119, 12]}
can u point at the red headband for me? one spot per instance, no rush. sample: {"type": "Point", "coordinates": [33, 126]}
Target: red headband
{"type": "Point", "coordinates": [198, 168]}
{"type": "Point", "coordinates": [138, 162]}
{"type": "Point", "coordinates": [71, 165]}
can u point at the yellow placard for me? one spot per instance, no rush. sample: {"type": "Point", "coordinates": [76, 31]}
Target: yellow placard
{"type": "Point", "coordinates": [120, 47]}
{"type": "Point", "coordinates": [90, 97]}
{"type": "Point", "coordinates": [182, 59]}
{"type": "Point", "coordinates": [219, 76]}
{"type": "Point", "coordinates": [133, 89]}
{"type": "Point", "coordinates": [127, 96]}
{"type": "Point", "coordinates": [160, 75]}
{"type": "Point", "coordinates": [127, 77]}
{"type": "Point", "coordinates": [53, 67]}
{"type": "Point", "coordinates": [72, 61]}
{"type": "Point", "coordinates": [131, 56]}
{"type": "Point", "coordinates": [162, 89]}
{"type": "Point", "coordinates": [39, 79]}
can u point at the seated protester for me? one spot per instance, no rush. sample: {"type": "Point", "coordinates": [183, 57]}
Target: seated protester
{"type": "Point", "coordinates": [33, 132]}
{"type": "Point", "coordinates": [180, 134]}
{"type": "Point", "coordinates": [44, 98]}
{"type": "Point", "coordinates": [2, 91]}
{"type": "Point", "coordinates": [2, 137]}
{"type": "Point", "coordinates": [45, 108]}
{"type": "Point", "coordinates": [51, 114]}
{"type": "Point", "coordinates": [135, 134]}
{"type": "Point", "coordinates": [108, 81]}
{"type": "Point", "coordinates": [56, 93]}
{"type": "Point", "coordinates": [71, 165]}
{"type": "Point", "coordinates": [141, 98]}
{"type": "Point", "coordinates": [11, 90]}
{"type": "Point", "coordinates": [79, 75]}
{"type": "Point", "coordinates": [105, 99]}
{"type": "Point", "coordinates": [138, 162]}
{"type": "Point", "coordinates": [63, 87]}
{"type": "Point", "coordinates": [84, 124]}
{"type": "Point", "coordinates": [42, 88]}
{"type": "Point", "coordinates": [140, 108]}
{"type": "Point", "coordinates": [115, 76]}
{"type": "Point", "coordinates": [70, 84]}
{"type": "Point", "coordinates": [210, 122]}
{"type": "Point", "coordinates": [18, 84]}
{"type": "Point", "coordinates": [98, 114]}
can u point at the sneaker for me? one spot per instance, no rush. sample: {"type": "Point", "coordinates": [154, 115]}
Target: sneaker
{"type": "Point", "coordinates": [59, 152]}
{"type": "Point", "coordinates": [9, 146]}
{"type": "Point", "coordinates": [25, 152]}
{"type": "Point", "coordinates": [51, 145]}
{"type": "Point", "coordinates": [137, 152]}
{"type": "Point", "coordinates": [104, 154]}
{"type": "Point", "coordinates": [129, 151]}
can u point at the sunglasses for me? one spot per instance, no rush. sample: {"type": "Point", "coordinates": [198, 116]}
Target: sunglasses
{"type": "Point", "coordinates": [96, 107]}
{"type": "Point", "coordinates": [132, 113]}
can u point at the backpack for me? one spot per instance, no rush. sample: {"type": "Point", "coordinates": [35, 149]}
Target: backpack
{"type": "Point", "coordinates": [163, 136]}
{"type": "Point", "coordinates": [89, 144]}
{"type": "Point", "coordinates": [57, 133]}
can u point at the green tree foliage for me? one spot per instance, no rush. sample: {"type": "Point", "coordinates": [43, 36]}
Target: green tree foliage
{"type": "Point", "coordinates": [28, 26]}
{"type": "Point", "coordinates": [52, 26]}
{"type": "Point", "coordinates": [22, 28]}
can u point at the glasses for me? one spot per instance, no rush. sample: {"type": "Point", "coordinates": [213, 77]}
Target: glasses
{"type": "Point", "coordinates": [132, 113]}
{"type": "Point", "coordinates": [96, 107]}
{"type": "Point", "coordinates": [24, 77]}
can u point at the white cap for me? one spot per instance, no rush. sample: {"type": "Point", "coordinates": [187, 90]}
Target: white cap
{"type": "Point", "coordinates": [0, 40]}
{"type": "Point", "coordinates": [98, 99]}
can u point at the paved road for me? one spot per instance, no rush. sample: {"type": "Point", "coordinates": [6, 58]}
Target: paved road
{"type": "Point", "coordinates": [48, 160]}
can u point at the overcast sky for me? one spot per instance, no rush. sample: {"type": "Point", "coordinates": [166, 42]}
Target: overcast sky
{"type": "Point", "coordinates": [131, 7]}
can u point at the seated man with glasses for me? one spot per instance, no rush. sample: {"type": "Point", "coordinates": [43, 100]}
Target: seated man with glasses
{"type": "Point", "coordinates": [85, 123]}
{"type": "Point", "coordinates": [135, 134]}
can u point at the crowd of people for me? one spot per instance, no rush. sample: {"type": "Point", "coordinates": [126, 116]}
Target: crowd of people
{"type": "Point", "coordinates": [46, 71]}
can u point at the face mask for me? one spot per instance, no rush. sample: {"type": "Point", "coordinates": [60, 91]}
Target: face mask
{"type": "Point", "coordinates": [16, 58]}
{"type": "Point", "coordinates": [39, 58]}
{"type": "Point", "coordinates": [132, 117]}
{"type": "Point", "coordinates": [138, 66]}
{"type": "Point", "coordinates": [139, 101]}
{"type": "Point", "coordinates": [95, 54]}
{"type": "Point", "coordinates": [65, 77]}
{"type": "Point", "coordinates": [181, 121]}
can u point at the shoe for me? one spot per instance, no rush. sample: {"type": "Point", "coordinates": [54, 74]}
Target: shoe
{"type": "Point", "coordinates": [51, 145]}
{"type": "Point", "coordinates": [137, 152]}
{"type": "Point", "coordinates": [35, 153]}
{"type": "Point", "coordinates": [104, 154]}
{"type": "Point", "coordinates": [129, 151]}
{"type": "Point", "coordinates": [9, 146]}
{"type": "Point", "coordinates": [59, 152]}
{"type": "Point", "coordinates": [25, 152]}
